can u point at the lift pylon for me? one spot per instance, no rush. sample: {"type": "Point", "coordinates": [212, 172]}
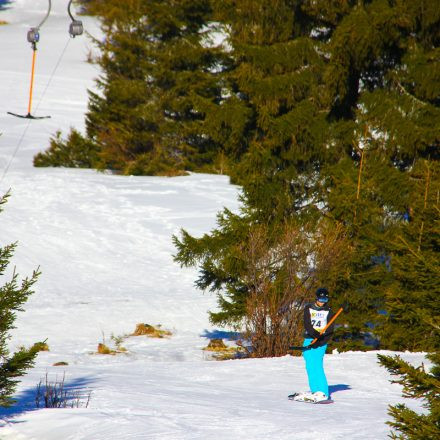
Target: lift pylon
{"type": "Point", "coordinates": [33, 37]}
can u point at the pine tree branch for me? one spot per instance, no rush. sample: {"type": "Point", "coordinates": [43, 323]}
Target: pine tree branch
{"type": "Point", "coordinates": [404, 91]}
{"type": "Point", "coordinates": [429, 321]}
{"type": "Point", "coordinates": [419, 257]}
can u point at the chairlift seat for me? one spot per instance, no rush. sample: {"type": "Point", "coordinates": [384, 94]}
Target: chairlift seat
{"type": "Point", "coordinates": [33, 36]}
{"type": "Point", "coordinates": [76, 28]}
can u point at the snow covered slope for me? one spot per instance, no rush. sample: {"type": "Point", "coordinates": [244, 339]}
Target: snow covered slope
{"type": "Point", "coordinates": [103, 244]}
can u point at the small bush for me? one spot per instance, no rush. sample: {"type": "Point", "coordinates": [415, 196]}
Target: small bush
{"type": "Point", "coordinates": [75, 152]}
{"type": "Point", "coordinates": [3, 22]}
{"type": "Point", "coordinates": [41, 346]}
{"type": "Point", "coordinates": [118, 340]}
{"type": "Point", "coordinates": [418, 384]}
{"type": "Point", "coordinates": [216, 345]}
{"type": "Point", "coordinates": [150, 331]}
{"type": "Point", "coordinates": [60, 364]}
{"type": "Point", "coordinates": [56, 395]}
{"type": "Point", "coordinates": [104, 349]}
{"type": "Point", "coordinates": [222, 352]}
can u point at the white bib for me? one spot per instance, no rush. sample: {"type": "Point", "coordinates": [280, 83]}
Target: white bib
{"type": "Point", "coordinates": [318, 318]}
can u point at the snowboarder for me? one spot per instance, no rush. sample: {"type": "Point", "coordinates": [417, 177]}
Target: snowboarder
{"type": "Point", "coordinates": [316, 317]}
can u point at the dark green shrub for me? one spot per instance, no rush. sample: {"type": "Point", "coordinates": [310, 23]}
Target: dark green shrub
{"type": "Point", "coordinates": [74, 152]}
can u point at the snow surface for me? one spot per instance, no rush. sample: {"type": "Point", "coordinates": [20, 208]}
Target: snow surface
{"type": "Point", "coordinates": [103, 243]}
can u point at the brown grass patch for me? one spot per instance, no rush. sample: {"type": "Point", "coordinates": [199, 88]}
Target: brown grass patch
{"type": "Point", "coordinates": [41, 346]}
{"type": "Point", "coordinates": [216, 345]}
{"type": "Point", "coordinates": [104, 349]}
{"type": "Point", "coordinates": [150, 331]}
{"type": "Point", "coordinates": [221, 352]}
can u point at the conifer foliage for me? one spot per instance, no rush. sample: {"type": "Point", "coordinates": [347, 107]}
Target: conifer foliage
{"type": "Point", "coordinates": [273, 116]}
{"type": "Point", "coordinates": [417, 384]}
{"type": "Point", "coordinates": [412, 296]}
{"type": "Point", "coordinates": [156, 60]}
{"type": "Point", "coordinates": [380, 58]}
{"type": "Point", "coordinates": [74, 152]}
{"type": "Point", "coordinates": [264, 279]}
{"type": "Point", "coordinates": [13, 294]}
{"type": "Point", "coordinates": [335, 110]}
{"type": "Point", "coordinates": [326, 112]}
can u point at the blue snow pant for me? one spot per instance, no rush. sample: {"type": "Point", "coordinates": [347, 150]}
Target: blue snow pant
{"type": "Point", "coordinates": [314, 358]}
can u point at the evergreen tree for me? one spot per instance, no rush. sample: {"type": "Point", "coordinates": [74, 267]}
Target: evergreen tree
{"type": "Point", "coordinates": [386, 118]}
{"type": "Point", "coordinates": [332, 104]}
{"type": "Point", "coordinates": [74, 152]}
{"type": "Point", "coordinates": [272, 119]}
{"type": "Point", "coordinates": [13, 294]}
{"type": "Point", "coordinates": [417, 384]}
{"type": "Point", "coordinates": [157, 61]}
{"type": "Point", "coordinates": [318, 108]}
{"type": "Point", "coordinates": [264, 277]}
{"type": "Point", "coordinates": [187, 71]}
{"type": "Point", "coordinates": [411, 300]}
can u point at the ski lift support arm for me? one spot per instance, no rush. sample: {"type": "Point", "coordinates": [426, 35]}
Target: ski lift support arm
{"type": "Point", "coordinates": [33, 35]}
{"type": "Point", "coordinates": [76, 27]}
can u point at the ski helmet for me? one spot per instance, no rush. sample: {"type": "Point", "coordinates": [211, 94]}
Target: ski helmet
{"type": "Point", "coordinates": [322, 295]}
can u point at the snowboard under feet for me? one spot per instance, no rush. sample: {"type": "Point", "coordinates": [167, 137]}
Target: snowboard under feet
{"type": "Point", "coordinates": [322, 402]}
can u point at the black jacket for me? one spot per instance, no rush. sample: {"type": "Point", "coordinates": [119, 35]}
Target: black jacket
{"type": "Point", "coordinates": [315, 319]}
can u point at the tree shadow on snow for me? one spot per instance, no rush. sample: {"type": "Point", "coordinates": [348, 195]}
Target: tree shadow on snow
{"type": "Point", "coordinates": [221, 334]}
{"type": "Point", "coordinates": [4, 4]}
{"type": "Point", "coordinates": [339, 387]}
{"type": "Point", "coordinates": [25, 401]}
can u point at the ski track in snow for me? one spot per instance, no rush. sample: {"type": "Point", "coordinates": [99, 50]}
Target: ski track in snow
{"type": "Point", "coordinates": [103, 243]}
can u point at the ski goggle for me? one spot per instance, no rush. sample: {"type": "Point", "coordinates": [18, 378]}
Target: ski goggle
{"type": "Point", "coordinates": [323, 299]}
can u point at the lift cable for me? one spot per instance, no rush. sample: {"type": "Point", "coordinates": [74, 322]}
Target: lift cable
{"type": "Point", "coordinates": [33, 36]}
{"type": "Point", "coordinates": [5, 171]}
